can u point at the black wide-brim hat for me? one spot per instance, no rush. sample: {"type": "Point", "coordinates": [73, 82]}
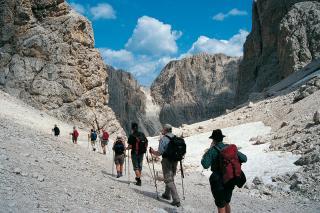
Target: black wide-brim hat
{"type": "Point", "coordinates": [217, 135]}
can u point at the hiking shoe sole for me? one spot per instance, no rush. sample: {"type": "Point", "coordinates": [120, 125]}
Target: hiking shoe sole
{"type": "Point", "coordinates": [177, 204]}
{"type": "Point", "coordinates": [165, 197]}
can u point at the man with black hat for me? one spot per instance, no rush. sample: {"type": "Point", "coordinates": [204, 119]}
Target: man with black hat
{"type": "Point", "coordinates": [221, 192]}
{"type": "Point", "coordinates": [138, 144]}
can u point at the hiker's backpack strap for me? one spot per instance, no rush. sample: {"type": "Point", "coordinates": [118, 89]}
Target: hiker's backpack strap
{"type": "Point", "coordinates": [217, 149]}
{"type": "Point", "coordinates": [170, 138]}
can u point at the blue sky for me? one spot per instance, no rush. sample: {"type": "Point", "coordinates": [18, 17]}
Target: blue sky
{"type": "Point", "coordinates": [141, 36]}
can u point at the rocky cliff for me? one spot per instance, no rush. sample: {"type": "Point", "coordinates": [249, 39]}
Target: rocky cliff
{"type": "Point", "coordinates": [285, 37]}
{"type": "Point", "coordinates": [130, 102]}
{"type": "Point", "coordinates": [196, 88]}
{"type": "Point", "coordinates": [47, 58]}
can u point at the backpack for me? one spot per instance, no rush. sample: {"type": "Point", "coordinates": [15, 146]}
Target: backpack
{"type": "Point", "coordinates": [75, 134]}
{"type": "Point", "coordinates": [93, 136]}
{"type": "Point", "coordinates": [105, 136]}
{"type": "Point", "coordinates": [118, 148]}
{"type": "Point", "coordinates": [176, 149]}
{"type": "Point", "coordinates": [141, 144]}
{"type": "Point", "coordinates": [228, 163]}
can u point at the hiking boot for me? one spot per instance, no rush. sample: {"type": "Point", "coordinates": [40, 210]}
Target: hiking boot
{"type": "Point", "coordinates": [166, 197]}
{"type": "Point", "coordinates": [94, 149]}
{"type": "Point", "coordinates": [118, 175]}
{"type": "Point", "coordinates": [175, 203]}
{"type": "Point", "coordinates": [138, 183]}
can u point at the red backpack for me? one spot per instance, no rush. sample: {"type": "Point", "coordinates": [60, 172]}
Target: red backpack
{"type": "Point", "coordinates": [105, 136]}
{"type": "Point", "coordinates": [228, 163]}
{"type": "Point", "coordinates": [75, 134]}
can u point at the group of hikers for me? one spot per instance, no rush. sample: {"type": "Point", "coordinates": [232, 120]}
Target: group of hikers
{"type": "Point", "coordinates": [224, 160]}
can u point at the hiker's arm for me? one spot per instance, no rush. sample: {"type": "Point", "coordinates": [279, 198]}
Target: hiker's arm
{"type": "Point", "coordinates": [242, 157]}
{"type": "Point", "coordinates": [161, 149]}
{"type": "Point", "coordinates": [153, 152]}
{"type": "Point", "coordinates": [207, 159]}
{"type": "Point", "coordinates": [130, 142]}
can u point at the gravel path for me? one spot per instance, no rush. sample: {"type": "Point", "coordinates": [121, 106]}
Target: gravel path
{"type": "Point", "coordinates": [42, 173]}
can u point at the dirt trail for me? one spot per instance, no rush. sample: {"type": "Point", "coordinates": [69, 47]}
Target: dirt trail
{"type": "Point", "coordinates": [41, 173]}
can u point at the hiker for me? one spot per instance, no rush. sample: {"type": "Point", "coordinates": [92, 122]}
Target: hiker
{"type": "Point", "coordinates": [138, 144]}
{"type": "Point", "coordinates": [119, 157]}
{"type": "Point", "coordinates": [56, 130]}
{"type": "Point", "coordinates": [225, 161]}
{"type": "Point", "coordinates": [169, 167]}
{"type": "Point", "coordinates": [93, 139]}
{"type": "Point", "coordinates": [75, 135]}
{"type": "Point", "coordinates": [104, 138]}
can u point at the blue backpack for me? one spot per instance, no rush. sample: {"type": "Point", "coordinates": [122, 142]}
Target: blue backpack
{"type": "Point", "coordinates": [93, 136]}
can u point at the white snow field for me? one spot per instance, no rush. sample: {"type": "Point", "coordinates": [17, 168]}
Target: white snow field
{"type": "Point", "coordinates": [261, 163]}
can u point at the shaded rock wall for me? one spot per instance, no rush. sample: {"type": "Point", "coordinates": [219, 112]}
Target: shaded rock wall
{"type": "Point", "coordinates": [48, 59]}
{"type": "Point", "coordinates": [284, 38]}
{"type": "Point", "coordinates": [196, 88]}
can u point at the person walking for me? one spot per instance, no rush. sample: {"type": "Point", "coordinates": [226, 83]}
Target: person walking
{"type": "Point", "coordinates": [226, 173]}
{"type": "Point", "coordinates": [56, 130]}
{"type": "Point", "coordinates": [93, 138]}
{"type": "Point", "coordinates": [104, 138]}
{"type": "Point", "coordinates": [169, 168]}
{"type": "Point", "coordinates": [75, 135]}
{"type": "Point", "coordinates": [138, 144]}
{"type": "Point", "coordinates": [119, 157]}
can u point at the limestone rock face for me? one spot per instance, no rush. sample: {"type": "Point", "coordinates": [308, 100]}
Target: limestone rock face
{"type": "Point", "coordinates": [284, 38]}
{"type": "Point", "coordinates": [47, 58]}
{"type": "Point", "coordinates": [196, 88]}
{"type": "Point", "coordinates": [130, 102]}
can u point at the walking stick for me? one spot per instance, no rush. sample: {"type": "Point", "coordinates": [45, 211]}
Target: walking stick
{"type": "Point", "coordinates": [128, 167]}
{"type": "Point", "coordinates": [155, 180]}
{"type": "Point", "coordinates": [112, 163]}
{"type": "Point", "coordinates": [125, 164]}
{"type": "Point", "coordinates": [147, 157]}
{"type": "Point", "coordinates": [88, 143]}
{"type": "Point", "coordinates": [182, 177]}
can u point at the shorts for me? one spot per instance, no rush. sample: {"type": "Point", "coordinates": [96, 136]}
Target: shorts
{"type": "Point", "coordinates": [137, 161]}
{"type": "Point", "coordinates": [222, 193]}
{"type": "Point", "coordinates": [93, 142]}
{"type": "Point", "coordinates": [119, 159]}
{"type": "Point", "coordinates": [104, 143]}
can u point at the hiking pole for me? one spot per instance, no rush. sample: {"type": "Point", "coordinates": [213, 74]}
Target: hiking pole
{"type": "Point", "coordinates": [154, 174]}
{"type": "Point", "coordinates": [147, 157]}
{"type": "Point", "coordinates": [128, 167]}
{"type": "Point", "coordinates": [125, 164]}
{"type": "Point", "coordinates": [112, 163]}
{"type": "Point", "coordinates": [182, 177]}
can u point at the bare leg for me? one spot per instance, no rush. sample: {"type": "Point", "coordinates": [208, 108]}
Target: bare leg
{"type": "Point", "coordinates": [222, 210]}
{"type": "Point", "coordinates": [138, 173]}
{"type": "Point", "coordinates": [121, 168]}
{"type": "Point", "coordinates": [228, 208]}
{"type": "Point", "coordinates": [118, 168]}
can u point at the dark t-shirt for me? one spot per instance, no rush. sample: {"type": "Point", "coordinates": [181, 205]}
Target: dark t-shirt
{"type": "Point", "coordinates": [139, 143]}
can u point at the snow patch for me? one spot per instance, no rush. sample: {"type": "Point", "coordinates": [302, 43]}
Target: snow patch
{"type": "Point", "coordinates": [261, 162]}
